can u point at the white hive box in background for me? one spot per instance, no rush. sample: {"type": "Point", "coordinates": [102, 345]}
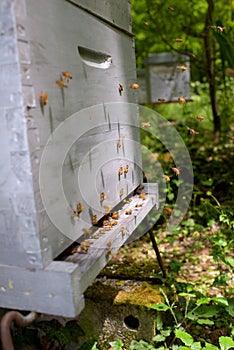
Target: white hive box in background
{"type": "Point", "coordinates": [167, 77]}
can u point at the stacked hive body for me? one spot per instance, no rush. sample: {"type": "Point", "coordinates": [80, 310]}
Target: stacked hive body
{"type": "Point", "coordinates": [70, 146]}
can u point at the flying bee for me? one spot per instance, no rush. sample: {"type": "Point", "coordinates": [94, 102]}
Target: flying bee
{"type": "Point", "coordinates": [61, 84]}
{"type": "Point", "coordinates": [145, 124]}
{"type": "Point", "coordinates": [170, 8]}
{"type": "Point", "coordinates": [123, 231]}
{"type": "Point", "coordinates": [182, 100]}
{"type": "Point", "coordinates": [140, 188]}
{"type": "Point", "coordinates": [231, 138]}
{"type": "Point", "coordinates": [128, 212]}
{"type": "Point", "coordinates": [199, 117]}
{"type": "Point", "coordinates": [121, 192]}
{"type": "Point", "coordinates": [161, 99]}
{"type": "Point", "coordinates": [87, 231]}
{"type": "Point", "coordinates": [102, 196]}
{"type": "Point", "coordinates": [43, 98]}
{"type": "Point", "coordinates": [176, 171]}
{"type": "Point", "coordinates": [167, 210]}
{"type": "Point", "coordinates": [138, 205]}
{"type": "Point", "coordinates": [182, 68]}
{"type": "Point", "coordinates": [220, 29]}
{"type": "Point", "coordinates": [167, 178]}
{"type": "Point", "coordinates": [67, 75]}
{"type": "Point", "coordinates": [179, 40]}
{"type": "Point", "coordinates": [134, 86]}
{"type": "Point", "coordinates": [94, 219]}
{"type": "Point", "coordinates": [121, 171]}
{"type": "Point", "coordinates": [121, 89]}
{"type": "Point", "coordinates": [192, 131]}
{"type": "Point", "coordinates": [126, 170]}
{"type": "Point", "coordinates": [143, 196]}
{"type": "Point", "coordinates": [119, 144]}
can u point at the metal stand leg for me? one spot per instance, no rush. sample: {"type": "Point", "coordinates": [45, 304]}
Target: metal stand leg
{"type": "Point", "coordinates": [157, 252]}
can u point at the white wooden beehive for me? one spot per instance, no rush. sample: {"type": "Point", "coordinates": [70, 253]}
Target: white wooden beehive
{"type": "Point", "coordinates": [92, 41]}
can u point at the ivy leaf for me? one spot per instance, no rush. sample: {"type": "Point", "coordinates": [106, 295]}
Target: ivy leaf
{"type": "Point", "coordinates": [185, 337]}
{"type": "Point", "coordinates": [226, 343]}
{"type": "Point", "coordinates": [160, 307]}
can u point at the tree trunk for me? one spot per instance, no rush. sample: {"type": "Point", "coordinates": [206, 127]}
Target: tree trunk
{"type": "Point", "coordinates": [211, 71]}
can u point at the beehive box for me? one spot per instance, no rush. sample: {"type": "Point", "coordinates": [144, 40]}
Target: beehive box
{"type": "Point", "coordinates": [70, 148]}
{"type": "Point", "coordinates": [167, 77]}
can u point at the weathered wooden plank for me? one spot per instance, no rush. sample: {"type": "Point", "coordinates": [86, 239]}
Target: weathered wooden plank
{"type": "Point", "coordinates": [54, 290]}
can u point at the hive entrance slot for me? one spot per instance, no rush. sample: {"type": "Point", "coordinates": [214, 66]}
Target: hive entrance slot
{"type": "Point", "coordinates": [94, 58]}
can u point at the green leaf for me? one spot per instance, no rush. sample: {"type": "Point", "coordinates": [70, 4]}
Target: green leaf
{"type": "Point", "coordinates": [230, 307]}
{"type": "Point", "coordinates": [196, 346]}
{"type": "Point", "coordinates": [207, 310]}
{"type": "Point", "coordinates": [170, 196]}
{"type": "Point", "coordinates": [205, 321]}
{"type": "Point", "coordinates": [185, 337]}
{"type": "Point", "coordinates": [94, 347]}
{"type": "Point", "coordinates": [160, 307]}
{"type": "Point", "coordinates": [209, 346]}
{"type": "Point", "coordinates": [220, 300]}
{"type": "Point", "coordinates": [187, 295]}
{"type": "Point", "coordinates": [202, 301]}
{"type": "Point", "coordinates": [226, 343]}
{"type": "Point", "coordinates": [117, 344]}
{"type": "Point", "coordinates": [159, 338]}
{"type": "Point", "coordinates": [229, 261]}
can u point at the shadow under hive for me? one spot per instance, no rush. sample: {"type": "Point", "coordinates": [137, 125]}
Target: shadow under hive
{"type": "Point", "coordinates": [70, 160]}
